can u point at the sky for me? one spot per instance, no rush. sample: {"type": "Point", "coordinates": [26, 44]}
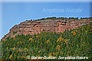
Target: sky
{"type": "Point", "coordinates": [12, 13]}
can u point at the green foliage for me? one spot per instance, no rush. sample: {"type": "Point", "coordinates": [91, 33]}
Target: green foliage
{"type": "Point", "coordinates": [64, 18]}
{"type": "Point", "coordinates": [51, 18]}
{"type": "Point", "coordinates": [71, 17]}
{"type": "Point", "coordinates": [76, 18]}
{"type": "Point", "coordinates": [14, 32]}
{"type": "Point", "coordinates": [0, 49]}
{"type": "Point", "coordinates": [42, 18]}
{"type": "Point", "coordinates": [75, 42]}
{"type": "Point", "coordinates": [48, 18]}
{"type": "Point", "coordinates": [84, 18]}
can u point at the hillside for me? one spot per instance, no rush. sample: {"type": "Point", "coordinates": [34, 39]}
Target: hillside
{"type": "Point", "coordinates": [60, 38]}
{"type": "Point", "coordinates": [50, 24]}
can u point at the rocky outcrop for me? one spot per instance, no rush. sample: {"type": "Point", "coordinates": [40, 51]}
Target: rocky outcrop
{"type": "Point", "coordinates": [49, 25]}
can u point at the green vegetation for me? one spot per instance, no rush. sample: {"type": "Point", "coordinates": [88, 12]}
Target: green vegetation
{"type": "Point", "coordinates": [48, 18]}
{"type": "Point", "coordinates": [75, 42]}
{"type": "Point", "coordinates": [73, 18]}
{"type": "Point", "coordinates": [14, 32]}
{"type": "Point", "coordinates": [63, 18]}
{"type": "Point", "coordinates": [84, 17]}
{"type": "Point", "coordinates": [0, 49]}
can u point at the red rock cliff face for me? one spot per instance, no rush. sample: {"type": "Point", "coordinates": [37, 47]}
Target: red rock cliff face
{"type": "Point", "coordinates": [36, 27]}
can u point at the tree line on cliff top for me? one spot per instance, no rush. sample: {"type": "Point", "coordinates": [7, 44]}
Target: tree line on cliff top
{"type": "Point", "coordinates": [58, 18]}
{"type": "Point", "coordinates": [64, 18]}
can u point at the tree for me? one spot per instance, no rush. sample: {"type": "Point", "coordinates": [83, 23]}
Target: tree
{"type": "Point", "coordinates": [42, 18]}
{"type": "Point", "coordinates": [71, 17]}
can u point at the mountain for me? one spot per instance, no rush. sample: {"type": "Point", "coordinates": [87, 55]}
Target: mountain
{"type": "Point", "coordinates": [48, 38]}
{"type": "Point", "coordinates": [51, 24]}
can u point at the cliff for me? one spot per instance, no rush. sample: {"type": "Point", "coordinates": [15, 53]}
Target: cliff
{"type": "Point", "coordinates": [45, 25]}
